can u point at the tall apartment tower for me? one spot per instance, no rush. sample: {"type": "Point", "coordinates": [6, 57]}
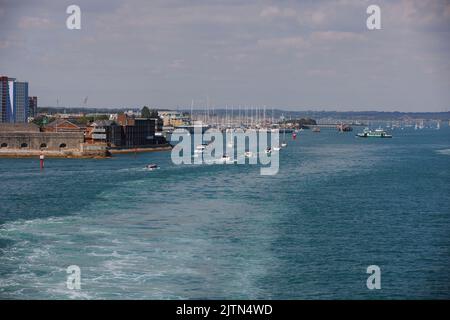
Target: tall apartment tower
{"type": "Point", "coordinates": [20, 107]}
{"type": "Point", "coordinates": [32, 106]}
{"type": "Point", "coordinates": [5, 101]}
{"type": "Point", "coordinates": [13, 100]}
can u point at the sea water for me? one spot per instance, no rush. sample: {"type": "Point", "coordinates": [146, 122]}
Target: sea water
{"type": "Point", "coordinates": [338, 204]}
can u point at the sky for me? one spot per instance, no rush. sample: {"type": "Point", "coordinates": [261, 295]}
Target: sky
{"type": "Point", "coordinates": [294, 55]}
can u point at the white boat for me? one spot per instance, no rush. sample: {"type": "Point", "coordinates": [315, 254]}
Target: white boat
{"type": "Point", "coordinates": [152, 167]}
{"type": "Point", "coordinates": [284, 143]}
{"type": "Point", "coordinates": [248, 154]}
{"type": "Point", "coordinates": [200, 148]}
{"type": "Point", "coordinates": [225, 159]}
{"type": "Point", "coordinates": [276, 148]}
{"type": "Point", "coordinates": [378, 133]}
{"type": "Point", "coordinates": [268, 150]}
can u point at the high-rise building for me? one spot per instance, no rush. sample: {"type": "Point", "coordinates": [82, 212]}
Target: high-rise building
{"type": "Point", "coordinates": [32, 106]}
{"type": "Point", "coordinates": [13, 100]}
{"type": "Point", "coordinates": [5, 101]}
{"type": "Point", "coordinates": [20, 108]}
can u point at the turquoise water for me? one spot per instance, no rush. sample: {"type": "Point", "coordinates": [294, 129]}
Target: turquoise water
{"type": "Point", "coordinates": [337, 205]}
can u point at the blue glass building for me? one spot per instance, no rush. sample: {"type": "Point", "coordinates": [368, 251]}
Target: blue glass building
{"type": "Point", "coordinates": [14, 102]}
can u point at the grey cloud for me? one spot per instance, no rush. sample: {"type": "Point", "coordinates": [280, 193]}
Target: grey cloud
{"type": "Point", "coordinates": [295, 54]}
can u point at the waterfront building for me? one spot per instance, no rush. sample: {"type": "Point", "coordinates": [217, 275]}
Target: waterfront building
{"type": "Point", "coordinates": [28, 136]}
{"type": "Point", "coordinates": [32, 106]}
{"type": "Point", "coordinates": [104, 131]}
{"type": "Point", "coordinates": [140, 132]}
{"type": "Point", "coordinates": [125, 120]}
{"type": "Point", "coordinates": [174, 118]}
{"type": "Point", "coordinates": [64, 125]}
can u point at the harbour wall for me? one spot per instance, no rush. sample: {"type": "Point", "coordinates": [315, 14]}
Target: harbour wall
{"type": "Point", "coordinates": [52, 144]}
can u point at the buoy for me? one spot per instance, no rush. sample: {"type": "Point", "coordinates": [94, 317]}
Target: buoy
{"type": "Point", "coordinates": [41, 160]}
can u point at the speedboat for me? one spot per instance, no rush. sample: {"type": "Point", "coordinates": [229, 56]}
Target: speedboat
{"type": "Point", "coordinates": [248, 154]}
{"type": "Point", "coordinates": [225, 158]}
{"type": "Point", "coordinates": [284, 145]}
{"type": "Point", "coordinates": [200, 148]}
{"type": "Point", "coordinates": [277, 148]}
{"type": "Point", "coordinates": [152, 167]}
{"type": "Point", "coordinates": [268, 150]}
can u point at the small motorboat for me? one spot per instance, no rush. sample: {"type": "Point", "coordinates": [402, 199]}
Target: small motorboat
{"type": "Point", "coordinates": [248, 154]}
{"type": "Point", "coordinates": [268, 150]}
{"type": "Point", "coordinates": [225, 159]}
{"type": "Point", "coordinates": [277, 148]}
{"type": "Point", "coordinates": [284, 145]}
{"type": "Point", "coordinates": [200, 148]}
{"type": "Point", "coordinates": [152, 167]}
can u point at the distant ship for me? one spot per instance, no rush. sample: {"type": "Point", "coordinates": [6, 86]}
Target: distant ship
{"type": "Point", "coordinates": [316, 129]}
{"type": "Point", "coordinates": [378, 133]}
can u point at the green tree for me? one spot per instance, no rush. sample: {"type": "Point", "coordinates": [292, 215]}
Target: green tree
{"type": "Point", "coordinates": [149, 113]}
{"type": "Point", "coordinates": [145, 112]}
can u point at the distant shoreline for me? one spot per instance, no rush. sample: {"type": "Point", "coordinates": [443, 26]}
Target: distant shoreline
{"type": "Point", "coordinates": [277, 112]}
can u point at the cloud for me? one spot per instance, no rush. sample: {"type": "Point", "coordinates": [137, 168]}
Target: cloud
{"type": "Point", "coordinates": [34, 23]}
{"type": "Point", "coordinates": [177, 64]}
{"type": "Point", "coordinates": [4, 44]}
{"type": "Point", "coordinates": [337, 36]}
{"type": "Point", "coordinates": [322, 72]}
{"type": "Point", "coordinates": [205, 46]}
{"type": "Point", "coordinates": [281, 43]}
{"type": "Point", "coordinates": [274, 11]}
{"type": "Point", "coordinates": [417, 14]}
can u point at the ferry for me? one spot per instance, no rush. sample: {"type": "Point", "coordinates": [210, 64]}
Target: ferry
{"type": "Point", "coordinates": [378, 133]}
